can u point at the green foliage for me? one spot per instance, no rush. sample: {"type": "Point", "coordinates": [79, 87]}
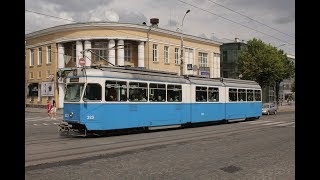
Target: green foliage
{"type": "Point", "coordinates": [293, 87]}
{"type": "Point", "coordinates": [264, 64]}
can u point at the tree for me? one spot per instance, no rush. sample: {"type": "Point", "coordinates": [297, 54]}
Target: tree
{"type": "Point", "coordinates": [293, 87]}
{"type": "Point", "coordinates": [264, 64]}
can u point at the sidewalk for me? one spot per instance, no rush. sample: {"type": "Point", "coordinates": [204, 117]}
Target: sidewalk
{"type": "Point", "coordinates": [287, 108]}
{"type": "Point", "coordinates": [41, 110]}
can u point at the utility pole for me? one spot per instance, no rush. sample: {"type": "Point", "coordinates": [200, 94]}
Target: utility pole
{"type": "Point", "coordinates": [181, 47]}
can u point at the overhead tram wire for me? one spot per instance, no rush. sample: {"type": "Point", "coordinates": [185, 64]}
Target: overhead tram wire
{"type": "Point", "coordinates": [235, 22]}
{"type": "Point", "coordinates": [251, 18]}
{"type": "Point", "coordinates": [178, 0]}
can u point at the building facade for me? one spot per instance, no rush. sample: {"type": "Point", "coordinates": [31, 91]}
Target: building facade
{"type": "Point", "coordinates": [286, 85]}
{"type": "Point", "coordinates": [110, 44]}
{"type": "Point", "coordinates": [229, 58]}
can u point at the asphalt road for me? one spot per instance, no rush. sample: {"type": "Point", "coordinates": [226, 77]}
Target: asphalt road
{"type": "Point", "coordinates": [260, 149]}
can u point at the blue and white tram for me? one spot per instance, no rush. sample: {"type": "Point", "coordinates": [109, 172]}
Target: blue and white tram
{"type": "Point", "coordinates": [113, 98]}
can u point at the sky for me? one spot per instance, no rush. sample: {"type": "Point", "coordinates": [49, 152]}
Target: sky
{"type": "Point", "coordinates": [272, 21]}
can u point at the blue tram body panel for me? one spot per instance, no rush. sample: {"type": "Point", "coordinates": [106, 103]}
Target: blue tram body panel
{"type": "Point", "coordinates": [241, 110]}
{"type": "Point", "coordinates": [119, 116]}
{"type": "Point", "coordinates": [203, 112]}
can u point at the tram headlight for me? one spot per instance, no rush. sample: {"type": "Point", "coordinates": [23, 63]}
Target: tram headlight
{"type": "Point", "coordinates": [71, 114]}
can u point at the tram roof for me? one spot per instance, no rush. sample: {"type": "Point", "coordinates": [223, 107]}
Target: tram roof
{"type": "Point", "coordinates": [155, 75]}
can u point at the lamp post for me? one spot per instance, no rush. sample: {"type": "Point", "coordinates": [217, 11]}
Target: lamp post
{"type": "Point", "coordinates": [181, 47]}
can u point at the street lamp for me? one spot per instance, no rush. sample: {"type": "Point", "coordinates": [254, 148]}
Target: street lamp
{"type": "Point", "coordinates": [181, 48]}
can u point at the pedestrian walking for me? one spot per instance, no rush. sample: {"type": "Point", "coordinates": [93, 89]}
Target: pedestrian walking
{"type": "Point", "coordinates": [49, 106]}
{"type": "Point", "coordinates": [53, 110]}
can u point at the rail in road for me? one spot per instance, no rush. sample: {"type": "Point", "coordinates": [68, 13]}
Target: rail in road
{"type": "Point", "coordinates": [55, 150]}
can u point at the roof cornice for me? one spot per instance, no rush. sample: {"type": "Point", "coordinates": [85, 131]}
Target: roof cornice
{"type": "Point", "coordinates": [112, 25]}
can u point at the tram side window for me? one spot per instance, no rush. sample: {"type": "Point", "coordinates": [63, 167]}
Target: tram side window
{"type": "Point", "coordinates": [249, 95]}
{"type": "Point", "coordinates": [213, 94]}
{"type": "Point", "coordinates": [242, 94]}
{"type": "Point", "coordinates": [233, 95]}
{"type": "Point", "coordinates": [93, 92]}
{"type": "Point", "coordinates": [138, 91]}
{"type": "Point", "coordinates": [174, 92]}
{"type": "Point", "coordinates": [157, 92]}
{"type": "Point", "coordinates": [201, 94]}
{"type": "Point", "coordinates": [257, 95]}
{"type": "Point", "coordinates": [116, 91]}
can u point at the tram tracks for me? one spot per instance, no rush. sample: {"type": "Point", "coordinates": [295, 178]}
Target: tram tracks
{"type": "Point", "coordinates": [100, 148]}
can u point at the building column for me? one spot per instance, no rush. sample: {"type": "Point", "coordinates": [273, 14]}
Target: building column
{"type": "Point", "coordinates": [218, 65]}
{"type": "Point", "coordinates": [87, 54]}
{"type": "Point", "coordinates": [212, 65]}
{"type": "Point", "coordinates": [141, 54]}
{"type": "Point", "coordinates": [60, 56]}
{"type": "Point", "coordinates": [120, 52]}
{"type": "Point", "coordinates": [112, 52]}
{"type": "Point", "coordinates": [79, 49]}
{"type": "Point", "coordinates": [61, 64]}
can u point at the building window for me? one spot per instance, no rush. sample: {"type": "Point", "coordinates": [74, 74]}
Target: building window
{"type": "Point", "coordinates": [31, 75]}
{"type": "Point", "coordinates": [74, 52]}
{"type": "Point", "coordinates": [31, 57]}
{"type": "Point", "coordinates": [48, 73]}
{"type": "Point", "coordinates": [166, 54]}
{"type": "Point", "coordinates": [176, 55]}
{"type": "Point", "coordinates": [155, 53]}
{"type": "Point", "coordinates": [225, 56]}
{"type": "Point", "coordinates": [39, 56]}
{"type": "Point", "coordinates": [39, 75]}
{"type": "Point", "coordinates": [101, 51]}
{"type": "Point", "coordinates": [127, 52]}
{"type": "Point", "coordinates": [203, 59]}
{"type": "Point", "coordinates": [49, 60]}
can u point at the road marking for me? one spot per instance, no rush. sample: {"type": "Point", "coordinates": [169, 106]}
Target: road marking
{"type": "Point", "coordinates": [45, 124]}
{"type": "Point", "coordinates": [44, 119]}
{"type": "Point", "coordinates": [272, 123]}
{"type": "Point", "coordinates": [56, 123]}
{"type": "Point", "coordinates": [285, 124]}
{"type": "Point", "coordinates": [35, 124]}
{"type": "Point", "coordinates": [257, 122]}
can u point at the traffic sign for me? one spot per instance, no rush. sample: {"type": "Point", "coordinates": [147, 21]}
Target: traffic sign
{"type": "Point", "coordinates": [82, 61]}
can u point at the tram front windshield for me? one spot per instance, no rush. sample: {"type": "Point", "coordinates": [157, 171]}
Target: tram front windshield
{"type": "Point", "coordinates": [73, 92]}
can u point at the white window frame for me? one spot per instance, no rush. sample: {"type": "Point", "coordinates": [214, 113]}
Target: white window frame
{"type": "Point", "coordinates": [155, 53]}
{"type": "Point", "coordinates": [166, 54]}
{"type": "Point", "coordinates": [203, 59]}
{"type": "Point", "coordinates": [31, 57]}
{"type": "Point", "coordinates": [40, 56]}
{"type": "Point", "coordinates": [49, 57]}
{"type": "Point", "coordinates": [128, 52]}
{"type": "Point", "coordinates": [176, 55]}
{"type": "Point", "coordinates": [102, 50]}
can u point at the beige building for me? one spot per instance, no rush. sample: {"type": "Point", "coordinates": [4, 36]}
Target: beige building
{"type": "Point", "coordinates": [86, 44]}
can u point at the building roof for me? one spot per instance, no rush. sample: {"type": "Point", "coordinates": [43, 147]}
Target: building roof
{"type": "Point", "coordinates": [114, 25]}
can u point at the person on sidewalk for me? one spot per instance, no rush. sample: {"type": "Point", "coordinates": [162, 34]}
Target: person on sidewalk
{"type": "Point", "coordinates": [53, 110]}
{"type": "Point", "coordinates": [49, 106]}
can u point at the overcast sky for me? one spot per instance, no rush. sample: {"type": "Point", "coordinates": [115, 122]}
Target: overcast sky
{"type": "Point", "coordinates": [272, 21]}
